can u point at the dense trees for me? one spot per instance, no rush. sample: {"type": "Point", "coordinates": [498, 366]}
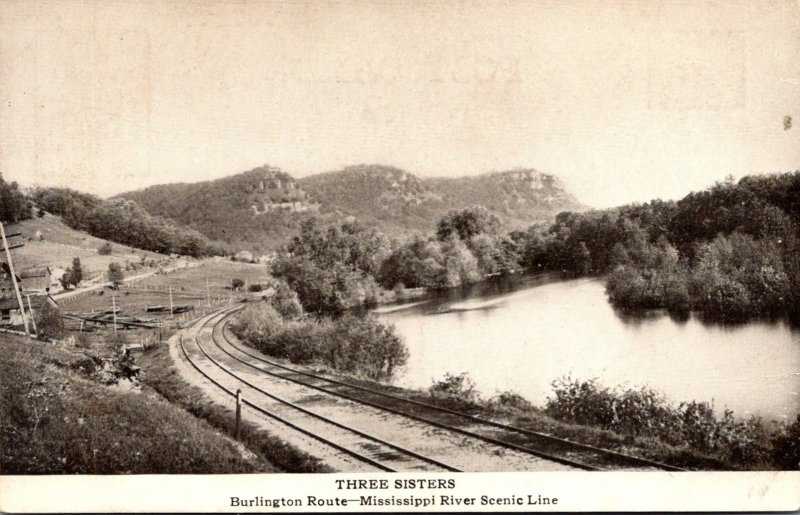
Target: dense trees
{"type": "Point", "coordinates": [332, 268]}
{"type": "Point", "coordinates": [13, 204]}
{"type": "Point", "coordinates": [122, 222]}
{"type": "Point", "coordinates": [468, 246]}
{"type": "Point", "coordinates": [73, 275]}
{"type": "Point", "coordinates": [731, 251]}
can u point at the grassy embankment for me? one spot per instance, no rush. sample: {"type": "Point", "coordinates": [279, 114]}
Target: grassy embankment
{"type": "Point", "coordinates": [57, 421]}
{"type": "Point", "coordinates": [59, 416]}
{"type": "Point", "coordinates": [159, 373]}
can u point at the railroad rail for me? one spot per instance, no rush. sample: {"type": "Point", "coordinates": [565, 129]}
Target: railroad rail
{"type": "Point", "coordinates": [382, 455]}
{"type": "Point", "coordinates": [600, 458]}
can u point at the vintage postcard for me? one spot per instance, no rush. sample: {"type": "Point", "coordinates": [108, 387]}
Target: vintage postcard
{"type": "Point", "coordinates": [373, 255]}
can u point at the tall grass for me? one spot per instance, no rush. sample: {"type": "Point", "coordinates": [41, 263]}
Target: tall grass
{"type": "Point", "coordinates": [54, 421]}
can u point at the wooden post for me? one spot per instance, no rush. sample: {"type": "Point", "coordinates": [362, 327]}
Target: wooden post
{"type": "Point", "coordinates": [14, 280]}
{"type": "Point", "coordinates": [208, 294]}
{"type": "Point", "coordinates": [237, 432]}
{"type": "Point", "coordinates": [114, 309]}
{"type": "Point", "coordinates": [171, 314]}
{"type": "Point", "coordinates": [33, 318]}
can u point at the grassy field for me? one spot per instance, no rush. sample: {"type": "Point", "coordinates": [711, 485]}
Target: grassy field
{"type": "Point", "coordinates": [188, 288]}
{"type": "Point", "coordinates": [56, 421]}
{"type": "Point", "coordinates": [208, 284]}
{"type": "Point", "coordinates": [59, 244]}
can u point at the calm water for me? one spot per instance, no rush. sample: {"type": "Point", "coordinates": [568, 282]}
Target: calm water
{"type": "Point", "coordinates": [520, 334]}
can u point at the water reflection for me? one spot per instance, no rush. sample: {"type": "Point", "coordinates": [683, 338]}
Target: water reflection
{"type": "Point", "coordinates": [520, 333]}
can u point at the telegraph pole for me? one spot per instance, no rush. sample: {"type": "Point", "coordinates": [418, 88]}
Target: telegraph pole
{"type": "Point", "coordinates": [14, 279]}
{"type": "Point", "coordinates": [170, 303]}
{"type": "Point", "coordinates": [114, 309]}
{"type": "Point", "coordinates": [33, 318]}
{"type": "Point", "coordinates": [208, 294]}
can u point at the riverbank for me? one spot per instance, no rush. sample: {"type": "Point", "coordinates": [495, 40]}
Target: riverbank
{"type": "Point", "coordinates": [631, 420]}
{"type": "Point", "coordinates": [754, 446]}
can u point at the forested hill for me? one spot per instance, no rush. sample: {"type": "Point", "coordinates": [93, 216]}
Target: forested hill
{"type": "Point", "coordinates": [259, 209]}
{"type": "Point", "coordinates": [255, 210]}
{"type": "Point", "coordinates": [519, 197]}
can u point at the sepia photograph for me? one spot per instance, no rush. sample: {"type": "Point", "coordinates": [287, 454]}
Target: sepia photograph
{"type": "Point", "coordinates": [516, 253]}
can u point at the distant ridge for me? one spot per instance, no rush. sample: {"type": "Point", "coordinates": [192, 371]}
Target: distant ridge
{"type": "Point", "coordinates": [258, 209]}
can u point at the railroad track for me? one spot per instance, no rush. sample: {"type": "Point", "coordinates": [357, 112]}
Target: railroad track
{"type": "Point", "coordinates": [546, 446]}
{"type": "Point", "coordinates": [374, 452]}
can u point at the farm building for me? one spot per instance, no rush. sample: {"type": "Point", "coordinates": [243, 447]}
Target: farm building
{"type": "Point", "coordinates": [40, 280]}
{"type": "Point", "coordinates": [9, 309]}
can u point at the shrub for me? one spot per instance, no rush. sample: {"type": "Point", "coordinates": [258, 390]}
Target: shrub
{"type": "Point", "coordinates": [511, 401]}
{"type": "Point", "coordinates": [645, 412]}
{"type": "Point", "coordinates": [237, 284]}
{"type": "Point", "coordinates": [104, 249]}
{"type": "Point", "coordinates": [285, 301]}
{"type": "Point", "coordinates": [457, 391]}
{"type": "Point", "coordinates": [255, 288]}
{"type": "Point", "coordinates": [786, 446]}
{"type": "Point", "coordinates": [359, 346]}
{"type": "Point", "coordinates": [49, 323]}
{"type": "Point", "coordinates": [115, 274]}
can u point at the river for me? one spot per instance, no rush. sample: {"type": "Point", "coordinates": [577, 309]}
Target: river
{"type": "Point", "coordinates": [521, 333]}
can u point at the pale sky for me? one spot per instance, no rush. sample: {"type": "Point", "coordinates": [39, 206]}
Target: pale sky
{"type": "Point", "coordinates": [624, 100]}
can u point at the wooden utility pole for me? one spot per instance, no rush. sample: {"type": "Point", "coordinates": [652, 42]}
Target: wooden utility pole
{"type": "Point", "coordinates": [14, 280]}
{"type": "Point", "coordinates": [33, 318]}
{"type": "Point", "coordinates": [114, 309]}
{"type": "Point", "coordinates": [170, 303]}
{"type": "Point", "coordinates": [208, 293]}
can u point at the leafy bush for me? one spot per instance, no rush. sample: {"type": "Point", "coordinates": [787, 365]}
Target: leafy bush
{"type": "Point", "coordinates": [49, 323]}
{"type": "Point", "coordinates": [645, 412]}
{"type": "Point", "coordinates": [255, 288]}
{"type": "Point", "coordinates": [786, 446]}
{"type": "Point", "coordinates": [457, 391]}
{"type": "Point", "coordinates": [285, 301]}
{"type": "Point", "coordinates": [104, 249]}
{"type": "Point", "coordinates": [510, 401]}
{"type": "Point", "coordinates": [360, 346]}
{"type": "Point", "coordinates": [237, 284]}
{"type": "Point", "coordinates": [72, 275]}
{"type": "Point", "coordinates": [115, 274]}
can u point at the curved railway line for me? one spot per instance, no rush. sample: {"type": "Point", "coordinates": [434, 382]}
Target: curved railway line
{"type": "Point", "coordinates": [371, 450]}
{"type": "Point", "coordinates": [566, 453]}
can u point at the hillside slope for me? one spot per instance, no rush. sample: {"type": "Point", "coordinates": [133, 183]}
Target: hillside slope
{"type": "Point", "coordinates": [519, 197]}
{"type": "Point", "coordinates": [254, 210]}
{"type": "Point", "coordinates": [384, 196]}
{"type": "Point", "coordinates": [49, 242]}
{"type": "Point", "coordinates": [259, 209]}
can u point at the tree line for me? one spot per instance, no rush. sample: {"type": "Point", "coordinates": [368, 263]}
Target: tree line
{"type": "Point", "coordinates": [337, 267]}
{"type": "Point", "coordinates": [14, 206]}
{"type": "Point", "coordinates": [730, 252]}
{"type": "Point", "coordinates": [123, 221]}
